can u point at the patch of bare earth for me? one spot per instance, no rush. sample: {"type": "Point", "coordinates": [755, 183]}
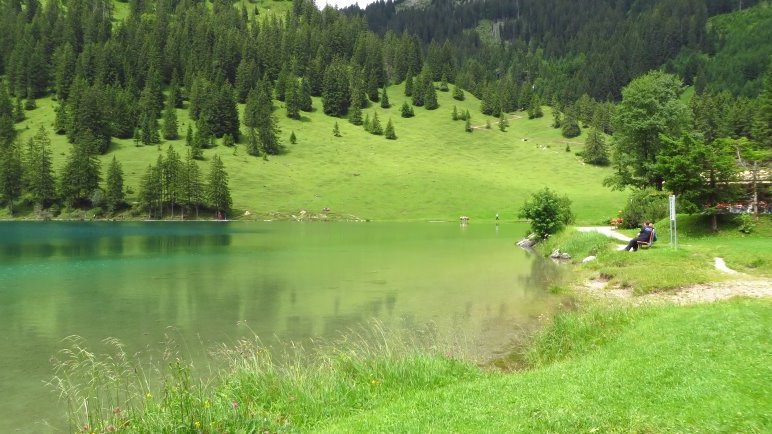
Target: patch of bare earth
{"type": "Point", "coordinates": [702, 293]}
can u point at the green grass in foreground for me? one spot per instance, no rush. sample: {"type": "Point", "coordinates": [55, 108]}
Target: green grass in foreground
{"type": "Point", "coordinates": [670, 369]}
{"type": "Point", "coordinates": [703, 368]}
{"type": "Point", "coordinates": [433, 171]}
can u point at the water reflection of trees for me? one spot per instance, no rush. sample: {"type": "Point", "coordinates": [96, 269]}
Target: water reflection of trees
{"type": "Point", "coordinates": [544, 274]}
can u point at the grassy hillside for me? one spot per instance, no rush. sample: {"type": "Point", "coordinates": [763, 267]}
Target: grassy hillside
{"type": "Point", "coordinates": [433, 171]}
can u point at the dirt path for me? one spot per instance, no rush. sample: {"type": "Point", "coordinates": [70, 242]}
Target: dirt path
{"type": "Point", "coordinates": [744, 285]}
{"type": "Point", "coordinates": [702, 293]}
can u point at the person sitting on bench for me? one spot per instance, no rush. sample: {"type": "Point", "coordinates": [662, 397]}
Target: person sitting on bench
{"type": "Point", "coordinates": [645, 237]}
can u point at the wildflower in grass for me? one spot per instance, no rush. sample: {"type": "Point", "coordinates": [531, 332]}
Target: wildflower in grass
{"type": "Point", "coordinates": [148, 396]}
{"type": "Point", "coordinates": [234, 404]}
{"type": "Point", "coordinates": [206, 404]}
{"type": "Point", "coordinates": [197, 424]}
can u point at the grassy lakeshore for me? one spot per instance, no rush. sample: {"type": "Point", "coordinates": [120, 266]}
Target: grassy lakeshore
{"type": "Point", "coordinates": [662, 267]}
{"type": "Point", "coordinates": [604, 367]}
{"type": "Point", "coordinates": [702, 368]}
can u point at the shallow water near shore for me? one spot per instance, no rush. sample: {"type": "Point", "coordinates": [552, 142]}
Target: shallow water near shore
{"type": "Point", "coordinates": [209, 283]}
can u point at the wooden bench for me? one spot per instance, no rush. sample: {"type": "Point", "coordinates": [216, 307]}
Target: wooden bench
{"type": "Point", "coordinates": [647, 244]}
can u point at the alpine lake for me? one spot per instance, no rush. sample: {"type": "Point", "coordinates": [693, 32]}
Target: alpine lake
{"type": "Point", "coordinates": [203, 284]}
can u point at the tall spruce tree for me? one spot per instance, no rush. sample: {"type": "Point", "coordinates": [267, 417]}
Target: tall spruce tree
{"type": "Point", "coordinates": [375, 126]}
{"type": "Point", "coordinates": [11, 175]}
{"type": "Point", "coordinates": [595, 149]}
{"type": "Point", "coordinates": [292, 102]}
{"type": "Point", "coordinates": [458, 94]}
{"type": "Point", "coordinates": [115, 197]}
{"type": "Point", "coordinates": [80, 175]}
{"type": "Point", "coordinates": [151, 191]}
{"type": "Point", "coordinates": [389, 132]}
{"type": "Point", "coordinates": [217, 192]}
{"type": "Point", "coordinates": [191, 185]}
{"type": "Point", "coordinates": [336, 93]}
{"type": "Point", "coordinates": [170, 128]}
{"type": "Point", "coordinates": [171, 166]}
{"type": "Point", "coordinates": [407, 111]}
{"type": "Point", "coordinates": [385, 99]}
{"type": "Point", "coordinates": [305, 101]}
{"type": "Point", "coordinates": [38, 170]}
{"type": "Point", "coordinates": [7, 130]}
{"type": "Point", "coordinates": [430, 96]}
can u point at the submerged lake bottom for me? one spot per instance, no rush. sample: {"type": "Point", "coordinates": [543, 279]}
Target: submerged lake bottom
{"type": "Point", "coordinates": [204, 284]}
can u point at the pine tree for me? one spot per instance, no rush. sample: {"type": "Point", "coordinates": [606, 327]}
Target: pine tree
{"type": "Point", "coordinates": [170, 129]}
{"type": "Point", "coordinates": [762, 120]}
{"type": "Point", "coordinates": [148, 126]}
{"type": "Point", "coordinates": [595, 149]}
{"type": "Point", "coordinates": [385, 99]}
{"type": "Point", "coordinates": [430, 96]}
{"type": "Point", "coordinates": [487, 124]}
{"type": "Point", "coordinates": [11, 175]}
{"type": "Point", "coordinates": [556, 118]}
{"type": "Point", "coordinates": [189, 136]}
{"type": "Point", "coordinates": [366, 123]}
{"type": "Point", "coordinates": [372, 88]}
{"type": "Point", "coordinates": [570, 127]}
{"type": "Point", "coordinates": [281, 84]}
{"type": "Point", "coordinates": [191, 185]}
{"type": "Point", "coordinates": [444, 83]}
{"type": "Point", "coordinates": [29, 102]}
{"type": "Point", "coordinates": [80, 175]}
{"type": "Point", "coordinates": [336, 130]}
{"type": "Point", "coordinates": [534, 109]}
{"type": "Point", "coordinates": [419, 93]}
{"type": "Point", "coordinates": [305, 101]}
{"type": "Point", "coordinates": [468, 125]}
{"type": "Point", "coordinates": [253, 142]}
{"type": "Point", "coordinates": [218, 194]}
{"type": "Point", "coordinates": [293, 99]}
{"type": "Point", "coordinates": [18, 111]}
{"type": "Point", "coordinates": [114, 195]}
{"type": "Point", "coordinates": [409, 83]}
{"type": "Point", "coordinates": [336, 92]}
{"type": "Point", "coordinates": [204, 137]}
{"type": "Point", "coordinates": [38, 170]}
{"type": "Point", "coordinates": [7, 130]}
{"type": "Point", "coordinates": [267, 127]}
{"type": "Point", "coordinates": [150, 191]}
{"type": "Point", "coordinates": [292, 138]}
{"type": "Point", "coordinates": [355, 117]}
{"type": "Point", "coordinates": [375, 126]}
{"type": "Point", "coordinates": [171, 166]}
{"type": "Point", "coordinates": [458, 94]}
{"type": "Point", "coordinates": [175, 93]}
{"type": "Point", "coordinates": [503, 122]}
{"type": "Point", "coordinates": [389, 132]}
{"type": "Point", "coordinates": [407, 111]}
{"type": "Point", "coordinates": [60, 119]}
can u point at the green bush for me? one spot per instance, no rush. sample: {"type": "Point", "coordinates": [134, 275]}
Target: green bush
{"type": "Point", "coordinates": [548, 212]}
{"type": "Point", "coordinates": [644, 205]}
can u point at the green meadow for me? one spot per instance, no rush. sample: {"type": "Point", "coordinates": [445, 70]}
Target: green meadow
{"type": "Point", "coordinates": [433, 171]}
